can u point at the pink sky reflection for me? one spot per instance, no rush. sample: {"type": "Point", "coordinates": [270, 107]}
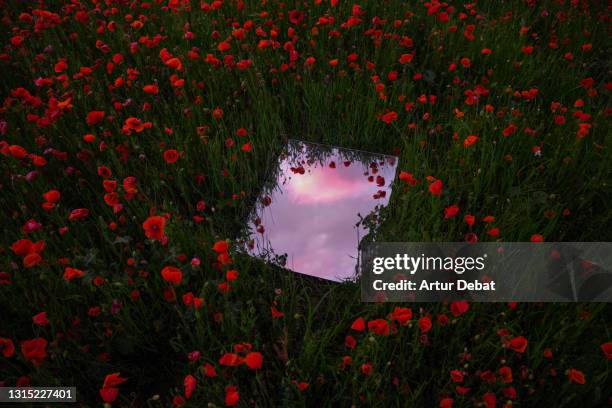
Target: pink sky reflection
{"type": "Point", "coordinates": [312, 216]}
{"type": "Point", "coordinates": [322, 185]}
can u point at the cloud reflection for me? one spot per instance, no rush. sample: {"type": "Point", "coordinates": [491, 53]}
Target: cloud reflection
{"type": "Point", "coordinates": [312, 216]}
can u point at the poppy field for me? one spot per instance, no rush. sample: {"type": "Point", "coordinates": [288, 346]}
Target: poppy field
{"type": "Point", "coordinates": [136, 136]}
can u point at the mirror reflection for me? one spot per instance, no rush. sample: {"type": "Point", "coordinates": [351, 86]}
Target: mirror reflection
{"type": "Point", "coordinates": [319, 204]}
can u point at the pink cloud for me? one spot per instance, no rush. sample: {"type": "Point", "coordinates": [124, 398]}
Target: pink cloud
{"type": "Point", "coordinates": [312, 216]}
{"type": "Point", "coordinates": [325, 185]}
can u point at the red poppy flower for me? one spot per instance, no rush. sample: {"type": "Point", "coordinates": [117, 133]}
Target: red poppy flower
{"type": "Point", "coordinates": [17, 152]}
{"type": "Point", "coordinates": [154, 227]}
{"type": "Point", "coordinates": [224, 259]}
{"type": "Point", "coordinates": [17, 40]}
{"type": "Point", "coordinates": [406, 58]}
{"type": "Point", "coordinates": [537, 238]}
{"type": "Point", "coordinates": [276, 313]}
{"type": "Point", "coordinates": [113, 380]}
{"type": "Point", "coordinates": [518, 344]}
{"type": "Point", "coordinates": [309, 62]}
{"type": "Point", "coordinates": [209, 370]}
{"type": "Point", "coordinates": [346, 361]}
{"type": "Point", "coordinates": [490, 400]}
{"type": "Point", "coordinates": [456, 376]}
{"type": "Point", "coordinates": [230, 360]}
{"type": "Point", "coordinates": [172, 275]}
{"type": "Point", "coordinates": [510, 129]}
{"type": "Point", "coordinates": [402, 315]}
{"type": "Point", "coordinates": [435, 188]}
{"type": "Point", "coordinates": [52, 196]}
{"type": "Point", "coordinates": [296, 16]}
{"type": "Point", "coordinates": [7, 347]}
{"type": "Point", "coordinates": [231, 396]}
{"type": "Point", "coordinates": [446, 403]}
{"type": "Point", "coordinates": [34, 350]}
{"type": "Point", "coordinates": [425, 324]}
{"type": "Point", "coordinates": [129, 185]}
{"type": "Point", "coordinates": [190, 385]}
{"type": "Point", "coordinates": [171, 156]}
{"type": "Point", "coordinates": [220, 247]}
{"type": "Point", "coordinates": [151, 89]}
{"type": "Point", "coordinates": [350, 342]}
{"type": "Point", "coordinates": [462, 390]}
{"type": "Point", "coordinates": [253, 360]}
{"type": "Point", "coordinates": [358, 324]}
{"type": "Point", "coordinates": [104, 172]}
{"type": "Point", "coordinates": [576, 376]}
{"type": "Point", "coordinates": [95, 117]}
{"type": "Point", "coordinates": [442, 319]}
{"type": "Point", "coordinates": [178, 401]}
{"type": "Point", "coordinates": [458, 308]}
{"type": "Point", "coordinates": [506, 374]}
{"type": "Point", "coordinates": [607, 350]}
{"type": "Point", "coordinates": [217, 113]}
{"type": "Point", "coordinates": [60, 66]}
{"type": "Point", "coordinates": [379, 326]}
{"type": "Point", "coordinates": [231, 275]}
{"type": "Point", "coordinates": [135, 124]}
{"type": "Point", "coordinates": [366, 368]}
{"type": "Point", "coordinates": [174, 63]}
{"type": "Point", "coordinates": [31, 260]}
{"type": "Point", "coordinates": [470, 140]}
{"type": "Point", "coordinates": [494, 232]}
{"type": "Point", "coordinates": [109, 395]}
{"type": "Point", "coordinates": [72, 273]}
{"type": "Point", "coordinates": [22, 247]}
{"type": "Point", "coordinates": [40, 319]}
{"type": "Point", "coordinates": [78, 214]}
{"type": "Point", "coordinates": [389, 117]}
{"type": "Point", "coordinates": [450, 212]}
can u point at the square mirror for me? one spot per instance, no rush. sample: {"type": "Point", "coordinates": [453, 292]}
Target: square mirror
{"type": "Point", "coordinates": [317, 206]}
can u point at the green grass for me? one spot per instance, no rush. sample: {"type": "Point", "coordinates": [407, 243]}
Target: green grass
{"type": "Point", "coordinates": [148, 339]}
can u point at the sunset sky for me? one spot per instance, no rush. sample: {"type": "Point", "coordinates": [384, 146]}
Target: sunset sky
{"type": "Point", "coordinates": [312, 216]}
